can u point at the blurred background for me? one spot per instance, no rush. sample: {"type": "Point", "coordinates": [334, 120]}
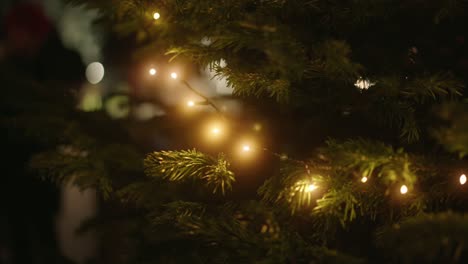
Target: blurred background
{"type": "Point", "coordinates": [73, 88]}
{"type": "Point", "coordinates": [51, 43]}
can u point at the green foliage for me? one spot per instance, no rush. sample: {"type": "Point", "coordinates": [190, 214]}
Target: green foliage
{"type": "Point", "coordinates": [333, 61]}
{"type": "Point", "coordinates": [246, 232]}
{"type": "Point", "coordinates": [296, 49]}
{"type": "Point", "coordinates": [305, 55]}
{"type": "Point", "coordinates": [454, 137]}
{"type": "Point", "coordinates": [409, 93]}
{"type": "Point", "coordinates": [371, 159]}
{"type": "Point", "coordinates": [433, 87]}
{"type": "Point", "coordinates": [190, 164]}
{"type": "Point", "coordinates": [60, 167]}
{"type": "Point", "coordinates": [293, 188]}
{"type": "Point", "coordinates": [254, 84]}
{"type": "Point", "coordinates": [428, 238]}
{"type": "Point", "coordinates": [65, 148]}
{"type": "Point", "coordinates": [336, 180]}
{"type": "Point", "coordinates": [86, 168]}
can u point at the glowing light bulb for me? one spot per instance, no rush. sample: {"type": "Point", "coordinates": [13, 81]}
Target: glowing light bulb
{"type": "Point", "coordinates": [156, 15]}
{"type": "Point", "coordinates": [403, 189]}
{"type": "Point", "coordinates": [363, 84]}
{"type": "Point", "coordinates": [174, 75]}
{"type": "Point", "coordinates": [190, 103]}
{"type": "Point", "coordinates": [310, 188]}
{"type": "Point", "coordinates": [152, 71]}
{"type": "Point", "coordinates": [364, 179]}
{"type": "Point", "coordinates": [246, 148]}
{"type": "Point", "coordinates": [216, 131]}
{"type": "Point", "coordinates": [462, 179]}
{"type": "Point", "coordinates": [257, 127]}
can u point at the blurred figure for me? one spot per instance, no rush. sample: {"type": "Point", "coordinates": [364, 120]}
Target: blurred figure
{"type": "Point", "coordinates": [31, 50]}
{"type": "Point", "coordinates": [26, 30]}
{"type": "Point", "coordinates": [32, 45]}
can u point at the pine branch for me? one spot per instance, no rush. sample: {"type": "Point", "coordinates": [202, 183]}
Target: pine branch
{"type": "Point", "coordinates": [190, 164]}
{"type": "Point", "coordinates": [332, 61]}
{"type": "Point", "coordinates": [371, 159]}
{"type": "Point", "coordinates": [396, 100]}
{"type": "Point", "coordinates": [73, 165]}
{"type": "Point", "coordinates": [428, 238]}
{"type": "Point", "coordinates": [331, 185]}
{"type": "Point", "coordinates": [432, 87]}
{"type": "Point", "coordinates": [255, 84]}
{"type": "Point", "coordinates": [454, 136]}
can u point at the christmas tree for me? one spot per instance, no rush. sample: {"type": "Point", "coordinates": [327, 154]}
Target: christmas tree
{"type": "Point", "coordinates": [350, 146]}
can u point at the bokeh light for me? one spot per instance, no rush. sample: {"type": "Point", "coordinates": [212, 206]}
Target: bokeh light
{"type": "Point", "coordinates": [257, 127]}
{"type": "Point", "coordinates": [118, 106]}
{"type": "Point", "coordinates": [90, 99]}
{"type": "Point", "coordinates": [190, 103]}
{"type": "Point", "coordinates": [363, 84]}
{"type": "Point", "coordinates": [310, 188]}
{"type": "Point", "coordinates": [156, 16]}
{"type": "Point", "coordinates": [95, 72]}
{"type": "Point", "coordinates": [174, 75]}
{"type": "Point", "coordinates": [246, 148]}
{"type": "Point", "coordinates": [215, 130]}
{"type": "Point", "coordinates": [302, 192]}
{"type": "Point", "coordinates": [147, 111]}
{"type": "Point", "coordinates": [462, 179]}
{"type": "Point", "coordinates": [364, 179]}
{"type": "Point", "coordinates": [403, 189]}
{"type": "Point", "coordinates": [152, 71]}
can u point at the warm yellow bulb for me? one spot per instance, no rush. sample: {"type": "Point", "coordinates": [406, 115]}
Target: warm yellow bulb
{"type": "Point", "coordinates": [310, 188]}
{"type": "Point", "coordinates": [364, 179]}
{"type": "Point", "coordinates": [257, 127]}
{"type": "Point", "coordinates": [216, 131]}
{"type": "Point", "coordinates": [403, 189]}
{"type": "Point", "coordinates": [190, 103]}
{"type": "Point", "coordinates": [247, 149]}
{"type": "Point", "coordinates": [174, 75]}
{"type": "Point", "coordinates": [462, 179]}
{"type": "Point", "coordinates": [152, 71]}
{"type": "Point", "coordinates": [156, 16]}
